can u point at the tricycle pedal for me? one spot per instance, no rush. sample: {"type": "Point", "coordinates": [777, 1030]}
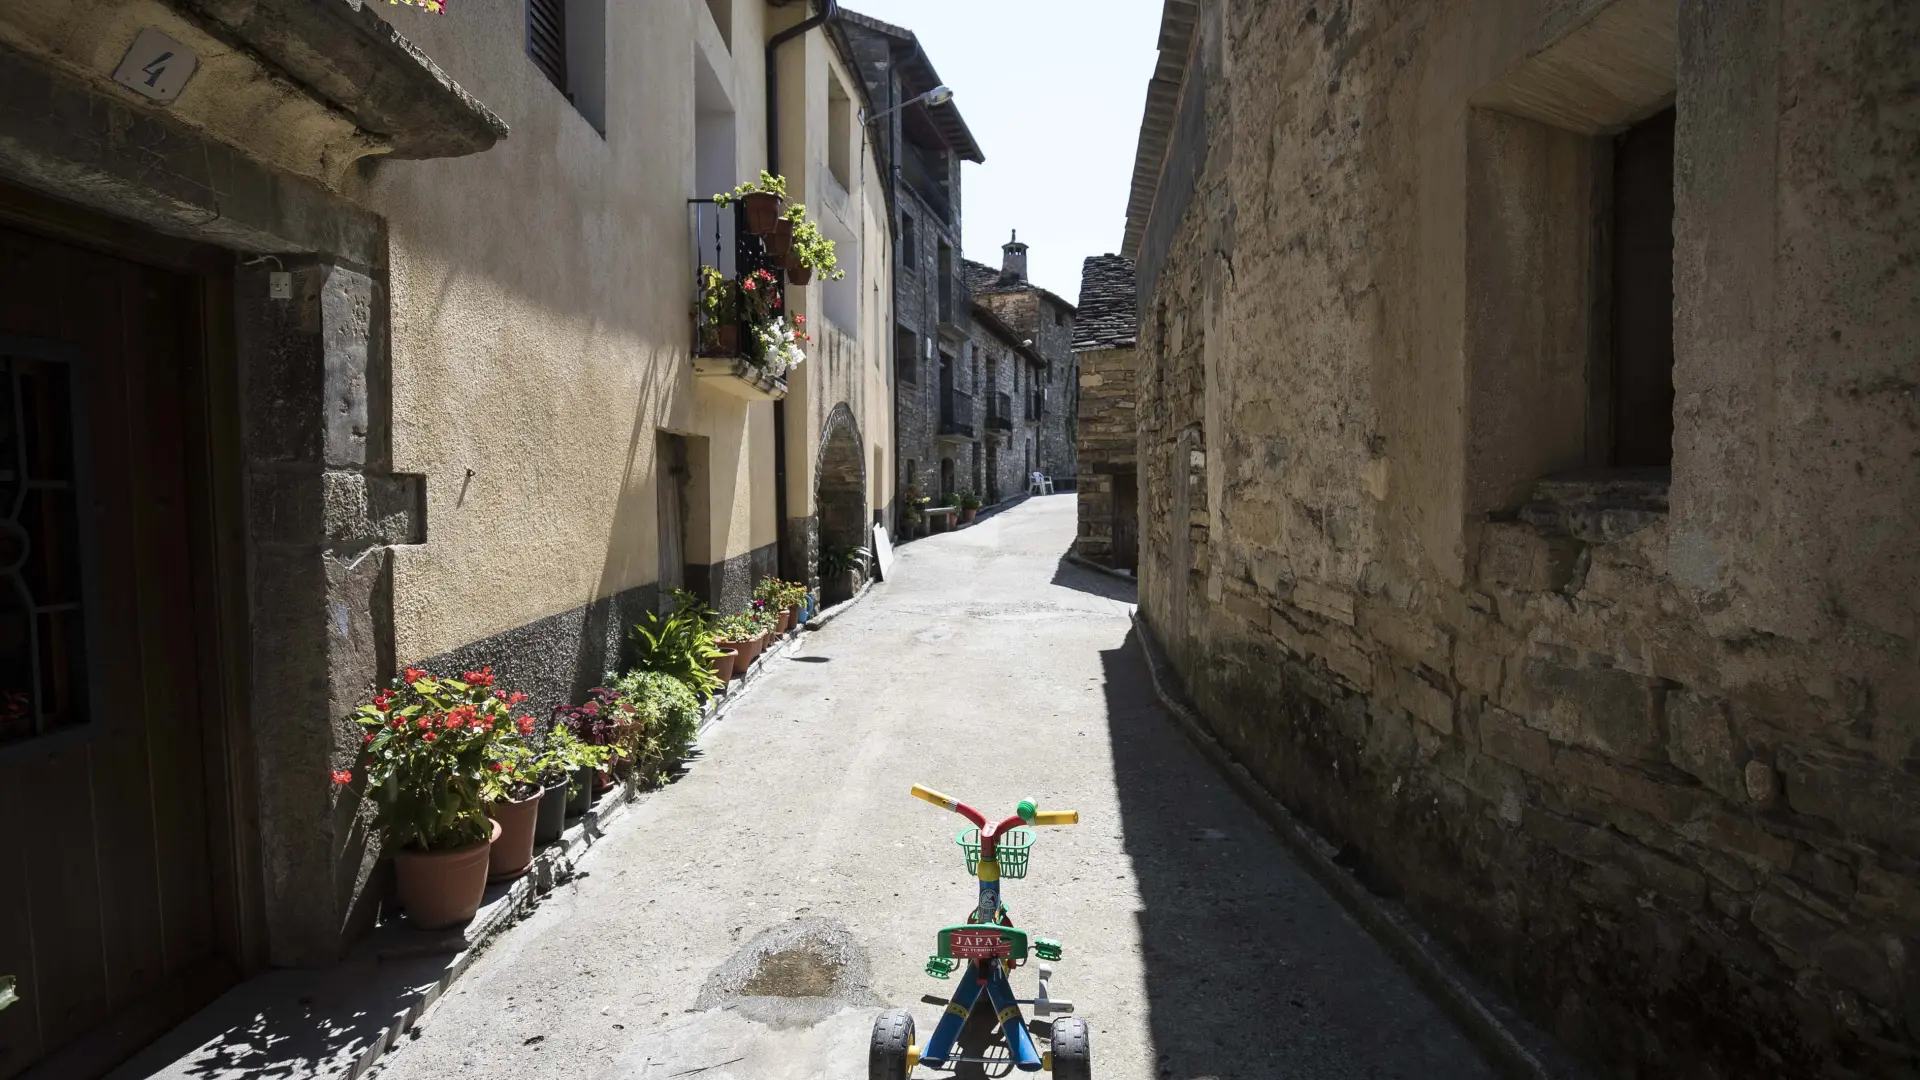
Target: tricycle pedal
{"type": "Point", "coordinates": [1046, 948]}
{"type": "Point", "coordinates": [941, 967]}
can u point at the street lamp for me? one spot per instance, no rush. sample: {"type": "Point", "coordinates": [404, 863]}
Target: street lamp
{"type": "Point", "coordinates": [939, 95]}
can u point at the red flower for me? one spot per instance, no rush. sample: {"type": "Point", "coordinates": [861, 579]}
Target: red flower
{"type": "Point", "coordinates": [747, 284]}
{"type": "Point", "coordinates": [483, 677]}
{"type": "Point", "coordinates": [428, 736]}
{"type": "Point", "coordinates": [342, 777]}
{"type": "Point", "coordinates": [799, 320]}
{"type": "Point", "coordinates": [426, 722]}
{"type": "Point", "coordinates": [496, 766]}
{"type": "Point", "coordinates": [382, 701]}
{"type": "Point", "coordinates": [415, 674]}
{"type": "Point", "coordinates": [526, 724]}
{"type": "Point", "coordinates": [517, 698]}
{"type": "Point", "coordinates": [368, 741]}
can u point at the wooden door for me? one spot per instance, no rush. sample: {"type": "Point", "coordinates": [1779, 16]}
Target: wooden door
{"type": "Point", "coordinates": [107, 896]}
{"type": "Point", "coordinates": [1126, 521]}
{"type": "Point", "coordinates": [670, 480]}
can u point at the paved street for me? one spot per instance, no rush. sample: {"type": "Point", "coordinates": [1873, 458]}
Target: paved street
{"type": "Point", "coordinates": [988, 670]}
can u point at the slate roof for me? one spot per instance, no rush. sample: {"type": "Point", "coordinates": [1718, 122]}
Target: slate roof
{"type": "Point", "coordinates": [1109, 316]}
{"type": "Point", "coordinates": [984, 280]}
{"type": "Point", "coordinates": [1163, 100]}
{"type": "Point", "coordinates": [986, 317]}
{"type": "Point", "coordinates": [917, 77]}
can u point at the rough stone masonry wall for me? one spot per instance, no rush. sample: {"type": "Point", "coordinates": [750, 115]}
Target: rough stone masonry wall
{"type": "Point", "coordinates": [1032, 315]}
{"type": "Point", "coordinates": [1108, 434]}
{"type": "Point", "coordinates": [917, 308]}
{"type": "Point", "coordinates": [1654, 769]}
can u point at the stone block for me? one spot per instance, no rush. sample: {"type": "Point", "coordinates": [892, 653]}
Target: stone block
{"type": "Point", "coordinates": [1248, 608]}
{"type": "Point", "coordinates": [1606, 849]}
{"type": "Point", "coordinates": [1478, 669]}
{"type": "Point", "coordinates": [1504, 737]}
{"type": "Point", "coordinates": [1741, 835]}
{"type": "Point", "coordinates": [1324, 600]}
{"type": "Point", "coordinates": [1664, 801]}
{"type": "Point", "coordinates": [1523, 557]}
{"type": "Point", "coordinates": [1862, 796]}
{"type": "Point", "coordinates": [1419, 642]}
{"type": "Point", "coordinates": [1407, 689]}
{"type": "Point", "coordinates": [1788, 924]}
{"type": "Point", "coordinates": [1886, 894]}
{"type": "Point", "coordinates": [1700, 740]}
{"type": "Point", "coordinates": [1604, 709]}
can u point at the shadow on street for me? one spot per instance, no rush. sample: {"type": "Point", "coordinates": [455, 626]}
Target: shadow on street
{"type": "Point", "coordinates": [1252, 970]}
{"type": "Point", "coordinates": [1069, 575]}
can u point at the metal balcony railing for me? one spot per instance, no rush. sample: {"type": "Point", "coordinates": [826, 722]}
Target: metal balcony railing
{"type": "Point", "coordinates": [721, 240]}
{"type": "Point", "coordinates": [999, 411]}
{"type": "Point", "coordinates": [956, 413]}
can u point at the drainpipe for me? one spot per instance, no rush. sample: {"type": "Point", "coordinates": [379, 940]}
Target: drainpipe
{"type": "Point", "coordinates": [828, 9]}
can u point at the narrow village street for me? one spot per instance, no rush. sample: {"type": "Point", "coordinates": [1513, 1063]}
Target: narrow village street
{"type": "Point", "coordinates": [989, 670]}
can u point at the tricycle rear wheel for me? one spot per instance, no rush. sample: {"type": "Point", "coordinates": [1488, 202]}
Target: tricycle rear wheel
{"type": "Point", "coordinates": [1072, 1060]}
{"type": "Point", "coordinates": [887, 1052]}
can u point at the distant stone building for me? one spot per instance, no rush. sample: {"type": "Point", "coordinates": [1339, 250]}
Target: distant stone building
{"type": "Point", "coordinates": [922, 147]}
{"type": "Point", "coordinates": [1108, 430]}
{"type": "Point", "coordinates": [1530, 453]}
{"type": "Point", "coordinates": [1007, 369]}
{"type": "Point", "coordinates": [1046, 320]}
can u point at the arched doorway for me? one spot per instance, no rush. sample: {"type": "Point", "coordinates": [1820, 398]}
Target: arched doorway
{"type": "Point", "coordinates": [840, 499]}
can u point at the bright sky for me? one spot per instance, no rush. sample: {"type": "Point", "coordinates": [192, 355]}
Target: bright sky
{"type": "Point", "coordinates": [1053, 91]}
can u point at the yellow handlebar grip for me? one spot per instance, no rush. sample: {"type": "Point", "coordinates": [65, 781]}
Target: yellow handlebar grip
{"type": "Point", "coordinates": [933, 797]}
{"type": "Point", "coordinates": [1057, 817]}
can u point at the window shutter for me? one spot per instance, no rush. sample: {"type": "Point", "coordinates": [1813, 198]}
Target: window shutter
{"type": "Point", "coordinates": [547, 39]}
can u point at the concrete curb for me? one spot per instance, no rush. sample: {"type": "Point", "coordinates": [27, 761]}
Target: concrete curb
{"type": "Point", "coordinates": [1505, 1051]}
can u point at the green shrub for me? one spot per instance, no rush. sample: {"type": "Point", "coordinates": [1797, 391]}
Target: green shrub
{"type": "Point", "coordinates": [680, 645]}
{"type": "Point", "coordinates": [667, 715]}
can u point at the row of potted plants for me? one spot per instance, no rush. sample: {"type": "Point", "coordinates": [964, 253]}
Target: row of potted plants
{"type": "Point", "coordinates": [464, 789]}
{"type": "Point", "coordinates": [916, 522]}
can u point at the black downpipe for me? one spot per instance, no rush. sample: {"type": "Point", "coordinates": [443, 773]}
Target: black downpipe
{"type": "Point", "coordinates": [828, 9]}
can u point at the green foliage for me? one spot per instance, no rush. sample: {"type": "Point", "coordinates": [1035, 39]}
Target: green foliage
{"type": "Point", "coordinates": [773, 185]}
{"type": "Point", "coordinates": [812, 248]}
{"type": "Point", "coordinates": [969, 501]}
{"type": "Point", "coordinates": [719, 306]}
{"type": "Point", "coordinates": [562, 754]}
{"type": "Point", "coordinates": [666, 718]}
{"type": "Point", "coordinates": [7, 996]}
{"type": "Point", "coordinates": [680, 645]}
{"type": "Point", "coordinates": [741, 627]}
{"type": "Point", "coordinates": [780, 595]}
{"type": "Point", "coordinates": [835, 561]}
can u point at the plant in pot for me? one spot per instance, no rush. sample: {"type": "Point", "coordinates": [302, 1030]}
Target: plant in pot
{"type": "Point", "coordinates": [565, 765]}
{"type": "Point", "coordinates": [840, 571]}
{"type": "Point", "coordinates": [762, 199]}
{"type": "Point", "coordinates": [667, 720]}
{"type": "Point", "coordinates": [598, 723]}
{"type": "Point", "coordinates": [780, 240]}
{"type": "Point", "coordinates": [783, 598]}
{"type": "Point", "coordinates": [969, 504]}
{"type": "Point", "coordinates": [425, 756]}
{"type": "Point", "coordinates": [719, 314]}
{"type": "Point", "coordinates": [780, 345]}
{"type": "Point", "coordinates": [511, 790]}
{"type": "Point", "coordinates": [741, 634]}
{"type": "Point", "coordinates": [678, 644]}
{"type": "Point", "coordinates": [812, 253]}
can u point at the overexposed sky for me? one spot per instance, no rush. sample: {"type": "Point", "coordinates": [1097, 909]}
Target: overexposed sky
{"type": "Point", "coordinates": [1053, 91]}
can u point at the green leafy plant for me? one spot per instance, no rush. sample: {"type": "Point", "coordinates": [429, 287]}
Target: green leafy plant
{"type": "Point", "coordinates": [430, 753]}
{"type": "Point", "coordinates": [780, 595]}
{"type": "Point", "coordinates": [769, 183]}
{"type": "Point", "coordinates": [719, 306]}
{"type": "Point", "coordinates": [562, 755]}
{"type": "Point", "coordinates": [741, 627]}
{"type": "Point", "coordinates": [835, 560]}
{"type": "Point", "coordinates": [814, 251]}
{"type": "Point", "coordinates": [678, 644]}
{"type": "Point", "coordinates": [666, 720]}
{"type": "Point", "coordinates": [7, 996]}
{"type": "Point", "coordinates": [511, 775]}
{"type": "Point", "coordinates": [969, 501]}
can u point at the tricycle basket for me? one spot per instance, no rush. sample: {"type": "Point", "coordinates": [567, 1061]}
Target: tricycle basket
{"type": "Point", "coordinates": [1014, 846]}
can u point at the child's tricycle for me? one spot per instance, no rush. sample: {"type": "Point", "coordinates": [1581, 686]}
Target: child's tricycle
{"type": "Point", "coordinates": [992, 948]}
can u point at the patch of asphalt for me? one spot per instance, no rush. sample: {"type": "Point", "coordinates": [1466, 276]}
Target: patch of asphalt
{"type": "Point", "coordinates": [796, 974]}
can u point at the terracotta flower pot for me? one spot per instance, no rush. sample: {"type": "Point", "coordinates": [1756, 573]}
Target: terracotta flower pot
{"type": "Point", "coordinates": [967, 516]}
{"type": "Point", "coordinates": [513, 848]}
{"type": "Point", "coordinates": [552, 819]}
{"type": "Point", "coordinates": [723, 664]}
{"type": "Point", "coordinates": [780, 240]}
{"type": "Point", "coordinates": [727, 340]}
{"type": "Point", "coordinates": [798, 273]}
{"type": "Point", "coordinates": [442, 888]}
{"type": "Point", "coordinates": [789, 618]}
{"type": "Point", "coordinates": [763, 211]}
{"type": "Point", "coordinates": [748, 650]}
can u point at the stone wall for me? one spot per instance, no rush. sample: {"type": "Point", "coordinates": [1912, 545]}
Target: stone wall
{"type": "Point", "coordinates": [1108, 434]}
{"type": "Point", "coordinates": [1048, 320]}
{"type": "Point", "coordinates": [1644, 752]}
{"type": "Point", "coordinates": [917, 313]}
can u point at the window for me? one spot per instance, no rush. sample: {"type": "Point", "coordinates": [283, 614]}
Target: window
{"type": "Point", "coordinates": [567, 41]}
{"type": "Point", "coordinates": [842, 300]}
{"type": "Point", "coordinates": [909, 250]}
{"type": "Point", "coordinates": [715, 152]}
{"type": "Point", "coordinates": [946, 283]}
{"type": "Point", "coordinates": [839, 133]}
{"type": "Point", "coordinates": [1641, 323]}
{"type": "Point", "coordinates": [906, 348]}
{"type": "Point", "coordinates": [1059, 317]}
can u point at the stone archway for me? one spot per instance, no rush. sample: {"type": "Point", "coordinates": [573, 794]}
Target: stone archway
{"type": "Point", "coordinates": [840, 493]}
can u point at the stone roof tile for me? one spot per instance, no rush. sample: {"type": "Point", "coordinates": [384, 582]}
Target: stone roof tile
{"type": "Point", "coordinates": [1109, 317]}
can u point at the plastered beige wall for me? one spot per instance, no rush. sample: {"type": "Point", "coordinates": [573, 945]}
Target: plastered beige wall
{"type": "Point", "coordinates": [540, 297]}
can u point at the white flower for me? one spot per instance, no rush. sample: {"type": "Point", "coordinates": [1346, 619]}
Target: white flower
{"type": "Point", "coordinates": [780, 347]}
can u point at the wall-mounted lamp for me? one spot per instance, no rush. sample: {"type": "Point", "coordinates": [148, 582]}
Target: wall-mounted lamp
{"type": "Point", "coordinates": [939, 95]}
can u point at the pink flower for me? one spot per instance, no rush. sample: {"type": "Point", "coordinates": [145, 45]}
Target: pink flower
{"type": "Point", "coordinates": [342, 777]}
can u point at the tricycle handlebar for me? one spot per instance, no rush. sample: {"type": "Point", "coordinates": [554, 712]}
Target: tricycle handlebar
{"type": "Point", "coordinates": [1029, 813]}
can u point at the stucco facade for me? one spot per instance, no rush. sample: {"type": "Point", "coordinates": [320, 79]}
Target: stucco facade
{"type": "Point", "coordinates": [440, 404]}
{"type": "Point", "coordinates": [1638, 741]}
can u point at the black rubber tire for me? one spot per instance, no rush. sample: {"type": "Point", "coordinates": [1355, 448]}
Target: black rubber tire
{"type": "Point", "coordinates": [887, 1052]}
{"type": "Point", "coordinates": [1072, 1060]}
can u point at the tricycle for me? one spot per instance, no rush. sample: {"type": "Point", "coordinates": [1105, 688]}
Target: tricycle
{"type": "Point", "coordinates": [991, 947]}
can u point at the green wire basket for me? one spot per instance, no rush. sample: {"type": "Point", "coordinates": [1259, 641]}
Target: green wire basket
{"type": "Point", "coordinates": [1013, 846]}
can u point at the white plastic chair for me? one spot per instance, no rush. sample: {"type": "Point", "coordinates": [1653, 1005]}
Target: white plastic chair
{"type": "Point", "coordinates": [1039, 484]}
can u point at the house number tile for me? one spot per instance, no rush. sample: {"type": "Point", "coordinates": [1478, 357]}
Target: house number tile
{"type": "Point", "coordinates": [156, 66]}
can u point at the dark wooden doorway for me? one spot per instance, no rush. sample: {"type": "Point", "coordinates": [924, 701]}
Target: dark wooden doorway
{"type": "Point", "coordinates": [1126, 521]}
{"type": "Point", "coordinates": [118, 909]}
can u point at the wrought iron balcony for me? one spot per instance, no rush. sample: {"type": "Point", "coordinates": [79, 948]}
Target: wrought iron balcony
{"type": "Point", "coordinates": [956, 414]}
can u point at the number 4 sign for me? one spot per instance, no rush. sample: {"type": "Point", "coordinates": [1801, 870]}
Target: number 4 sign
{"type": "Point", "coordinates": [156, 66]}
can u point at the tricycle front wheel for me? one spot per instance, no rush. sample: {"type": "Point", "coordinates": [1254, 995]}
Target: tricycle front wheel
{"type": "Point", "coordinates": [1072, 1060]}
{"type": "Point", "coordinates": [892, 1040]}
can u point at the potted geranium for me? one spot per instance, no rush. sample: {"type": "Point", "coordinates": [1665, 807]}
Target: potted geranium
{"type": "Point", "coordinates": [565, 764]}
{"type": "Point", "coordinates": [512, 792]}
{"type": "Point", "coordinates": [741, 633]}
{"type": "Point", "coordinates": [598, 723]}
{"type": "Point", "coordinates": [780, 345]}
{"type": "Point", "coordinates": [762, 200]}
{"type": "Point", "coordinates": [969, 504]}
{"type": "Point", "coordinates": [427, 755]}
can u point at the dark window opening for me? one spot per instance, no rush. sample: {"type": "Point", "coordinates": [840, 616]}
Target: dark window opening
{"type": "Point", "coordinates": [946, 481]}
{"type": "Point", "coordinates": [906, 350]}
{"type": "Point", "coordinates": [909, 248]}
{"type": "Point", "coordinates": [547, 39]}
{"type": "Point", "coordinates": [1641, 375]}
{"type": "Point", "coordinates": [946, 283]}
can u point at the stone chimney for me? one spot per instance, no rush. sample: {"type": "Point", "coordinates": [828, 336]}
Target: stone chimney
{"type": "Point", "coordinates": [1013, 261]}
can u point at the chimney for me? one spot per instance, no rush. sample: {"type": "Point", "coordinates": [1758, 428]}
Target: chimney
{"type": "Point", "coordinates": [1013, 261]}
